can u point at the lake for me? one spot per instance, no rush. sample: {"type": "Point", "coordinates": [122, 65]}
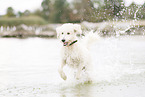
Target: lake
{"type": "Point", "coordinates": [28, 68]}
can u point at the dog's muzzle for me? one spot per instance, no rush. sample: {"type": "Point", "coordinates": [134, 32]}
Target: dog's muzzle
{"type": "Point", "coordinates": [64, 43]}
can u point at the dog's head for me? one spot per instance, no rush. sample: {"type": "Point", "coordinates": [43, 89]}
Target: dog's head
{"type": "Point", "coordinates": [67, 32]}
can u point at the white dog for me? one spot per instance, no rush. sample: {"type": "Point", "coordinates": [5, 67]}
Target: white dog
{"type": "Point", "coordinates": [74, 53]}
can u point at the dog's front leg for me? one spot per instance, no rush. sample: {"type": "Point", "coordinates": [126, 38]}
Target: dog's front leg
{"type": "Point", "coordinates": [60, 70]}
{"type": "Point", "coordinates": [78, 72]}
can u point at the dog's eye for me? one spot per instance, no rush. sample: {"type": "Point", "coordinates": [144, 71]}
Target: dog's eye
{"type": "Point", "coordinates": [62, 33]}
{"type": "Point", "coordinates": [68, 33]}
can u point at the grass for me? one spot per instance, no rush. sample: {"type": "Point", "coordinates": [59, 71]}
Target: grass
{"type": "Point", "coordinates": [29, 20]}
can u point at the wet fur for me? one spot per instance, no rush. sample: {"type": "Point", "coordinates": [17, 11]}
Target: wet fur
{"type": "Point", "coordinates": [76, 56]}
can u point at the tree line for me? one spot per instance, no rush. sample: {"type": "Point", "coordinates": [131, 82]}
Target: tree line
{"type": "Point", "coordinates": [60, 11]}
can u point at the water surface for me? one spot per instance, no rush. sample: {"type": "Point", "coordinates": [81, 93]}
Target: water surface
{"type": "Point", "coordinates": [28, 68]}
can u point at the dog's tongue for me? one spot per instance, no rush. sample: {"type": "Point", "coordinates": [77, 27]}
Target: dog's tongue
{"type": "Point", "coordinates": [65, 43]}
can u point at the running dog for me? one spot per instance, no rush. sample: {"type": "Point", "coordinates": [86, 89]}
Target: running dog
{"type": "Point", "coordinates": [75, 53]}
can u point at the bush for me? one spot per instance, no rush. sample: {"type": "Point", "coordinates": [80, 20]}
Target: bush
{"type": "Point", "coordinates": [29, 20]}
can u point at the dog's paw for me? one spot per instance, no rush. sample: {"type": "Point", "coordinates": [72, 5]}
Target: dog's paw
{"type": "Point", "coordinates": [88, 81]}
{"type": "Point", "coordinates": [77, 77]}
{"type": "Point", "coordinates": [63, 76]}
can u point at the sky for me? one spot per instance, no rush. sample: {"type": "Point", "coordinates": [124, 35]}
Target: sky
{"type": "Point", "coordinates": [22, 5]}
{"type": "Point", "coordinates": [19, 5]}
{"type": "Point", "coordinates": [128, 2]}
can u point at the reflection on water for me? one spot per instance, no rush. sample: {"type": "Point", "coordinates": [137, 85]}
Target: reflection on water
{"type": "Point", "coordinates": [28, 68]}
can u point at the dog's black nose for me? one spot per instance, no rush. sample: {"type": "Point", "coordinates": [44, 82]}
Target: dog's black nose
{"type": "Point", "coordinates": [63, 40]}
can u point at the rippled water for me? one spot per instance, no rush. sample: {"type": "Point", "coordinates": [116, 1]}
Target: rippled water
{"type": "Point", "coordinates": [28, 68]}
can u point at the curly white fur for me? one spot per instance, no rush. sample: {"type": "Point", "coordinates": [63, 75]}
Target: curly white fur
{"type": "Point", "coordinates": [76, 55]}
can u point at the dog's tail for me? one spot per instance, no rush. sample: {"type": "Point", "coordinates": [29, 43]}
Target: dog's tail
{"type": "Point", "coordinates": [90, 38]}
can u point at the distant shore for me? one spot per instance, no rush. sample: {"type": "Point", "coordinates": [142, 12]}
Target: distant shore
{"type": "Point", "coordinates": [109, 28]}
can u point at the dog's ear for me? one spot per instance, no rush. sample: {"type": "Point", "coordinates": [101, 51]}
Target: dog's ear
{"type": "Point", "coordinates": [77, 29]}
{"type": "Point", "coordinates": [58, 32]}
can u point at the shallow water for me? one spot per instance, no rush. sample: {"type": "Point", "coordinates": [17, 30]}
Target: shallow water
{"type": "Point", "coordinates": [28, 68]}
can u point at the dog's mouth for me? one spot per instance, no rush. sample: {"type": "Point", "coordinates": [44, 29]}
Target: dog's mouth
{"type": "Point", "coordinates": [65, 43]}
